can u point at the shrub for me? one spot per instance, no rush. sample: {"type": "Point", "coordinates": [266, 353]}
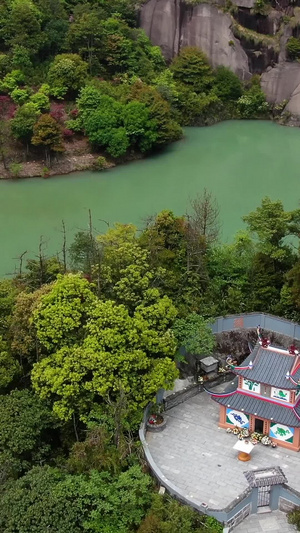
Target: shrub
{"type": "Point", "coordinates": [45, 172]}
{"type": "Point", "coordinates": [293, 48]}
{"type": "Point", "coordinates": [15, 169]}
{"type": "Point", "coordinates": [227, 85]}
{"type": "Point", "coordinates": [57, 111]}
{"type": "Point", "coordinates": [67, 133]}
{"type": "Point", "coordinates": [294, 518]}
{"type": "Point", "coordinates": [20, 96]}
{"type": "Point", "coordinates": [100, 163]}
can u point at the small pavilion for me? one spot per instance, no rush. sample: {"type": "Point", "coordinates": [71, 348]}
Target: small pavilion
{"type": "Point", "coordinates": [265, 397]}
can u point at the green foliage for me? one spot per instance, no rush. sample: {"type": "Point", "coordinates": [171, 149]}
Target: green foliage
{"type": "Point", "coordinates": [96, 452]}
{"type": "Point", "coordinates": [116, 126]}
{"type": "Point", "coordinates": [47, 133]}
{"type": "Point", "coordinates": [23, 122]}
{"type": "Point", "coordinates": [252, 104]}
{"type": "Point", "coordinates": [15, 169]}
{"type": "Point", "coordinates": [42, 270]}
{"type": "Point", "coordinates": [23, 26]}
{"type": "Point", "coordinates": [293, 47]}
{"type": "Point", "coordinates": [227, 85]}
{"type": "Point", "coordinates": [20, 96]}
{"type": "Point", "coordinates": [194, 334]}
{"type": "Point", "coordinates": [271, 225]}
{"type": "Point", "coordinates": [27, 427]}
{"type": "Point", "coordinates": [8, 294]}
{"type": "Point", "coordinates": [191, 68]}
{"type": "Point", "coordinates": [83, 252]}
{"type": "Point", "coordinates": [60, 317]}
{"type": "Point", "coordinates": [22, 330]}
{"type": "Point", "coordinates": [261, 7]}
{"type": "Point", "coordinates": [67, 74]}
{"type": "Point", "coordinates": [166, 516]}
{"type": "Point", "coordinates": [118, 350]}
{"type": "Point", "coordinates": [9, 367]}
{"type": "Point", "coordinates": [100, 163]}
{"type": "Point", "coordinates": [46, 498]}
{"type": "Point", "coordinates": [11, 81]}
{"type": "Point", "coordinates": [41, 98]}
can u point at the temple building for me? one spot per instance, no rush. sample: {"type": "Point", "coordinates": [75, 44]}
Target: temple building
{"type": "Point", "coordinates": [266, 397]}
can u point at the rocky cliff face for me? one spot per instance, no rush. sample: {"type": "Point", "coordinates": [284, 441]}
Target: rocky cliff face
{"type": "Point", "coordinates": [246, 42]}
{"type": "Point", "coordinates": [171, 24]}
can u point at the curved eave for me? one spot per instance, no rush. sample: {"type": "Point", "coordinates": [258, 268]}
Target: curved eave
{"type": "Point", "coordinates": [215, 394]}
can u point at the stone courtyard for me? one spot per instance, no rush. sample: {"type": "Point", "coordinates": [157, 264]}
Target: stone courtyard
{"type": "Point", "coordinates": [198, 457]}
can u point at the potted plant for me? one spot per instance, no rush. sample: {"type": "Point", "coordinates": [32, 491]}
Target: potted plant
{"type": "Point", "coordinates": [156, 421]}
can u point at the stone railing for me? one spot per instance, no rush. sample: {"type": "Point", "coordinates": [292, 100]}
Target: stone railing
{"type": "Point", "coordinates": [252, 320]}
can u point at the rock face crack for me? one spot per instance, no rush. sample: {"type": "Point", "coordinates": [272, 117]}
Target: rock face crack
{"type": "Point", "coordinates": [171, 24]}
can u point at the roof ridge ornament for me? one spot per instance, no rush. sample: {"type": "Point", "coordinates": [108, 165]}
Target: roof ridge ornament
{"type": "Point", "coordinates": [263, 341]}
{"type": "Point", "coordinates": [293, 350]}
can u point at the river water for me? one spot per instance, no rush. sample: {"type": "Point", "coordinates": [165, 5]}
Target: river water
{"type": "Point", "coordinates": [238, 161]}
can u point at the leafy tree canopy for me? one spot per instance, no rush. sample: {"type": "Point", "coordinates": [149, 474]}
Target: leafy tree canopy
{"type": "Point", "coordinates": [194, 334]}
{"type": "Point", "coordinates": [49, 499]}
{"type": "Point", "coordinates": [26, 428]}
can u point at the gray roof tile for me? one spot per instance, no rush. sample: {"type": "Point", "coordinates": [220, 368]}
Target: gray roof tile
{"type": "Point", "coordinates": [269, 367]}
{"type": "Point", "coordinates": [264, 409]}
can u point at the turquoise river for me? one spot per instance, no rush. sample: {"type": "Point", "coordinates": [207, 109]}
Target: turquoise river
{"type": "Point", "coordinates": [238, 161]}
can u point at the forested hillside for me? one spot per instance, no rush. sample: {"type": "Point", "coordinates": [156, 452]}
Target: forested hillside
{"type": "Point", "coordinates": [89, 336]}
{"type": "Point", "coordinates": [80, 82]}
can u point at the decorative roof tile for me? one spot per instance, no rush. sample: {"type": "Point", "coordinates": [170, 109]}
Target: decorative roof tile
{"type": "Point", "coordinates": [269, 367]}
{"type": "Point", "coordinates": [260, 407]}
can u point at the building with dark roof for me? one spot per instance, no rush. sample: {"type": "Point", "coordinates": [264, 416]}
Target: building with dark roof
{"type": "Point", "coordinates": [266, 398]}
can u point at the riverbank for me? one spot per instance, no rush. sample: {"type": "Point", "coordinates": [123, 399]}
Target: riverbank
{"type": "Point", "coordinates": [79, 157]}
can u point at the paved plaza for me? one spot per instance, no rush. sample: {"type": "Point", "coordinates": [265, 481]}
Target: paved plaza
{"type": "Point", "coordinates": [274, 522]}
{"type": "Point", "coordinates": [198, 457]}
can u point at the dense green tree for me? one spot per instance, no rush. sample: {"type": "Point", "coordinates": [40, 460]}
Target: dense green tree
{"type": "Point", "coordinates": [253, 104]}
{"type": "Point", "coordinates": [194, 334]}
{"type": "Point", "coordinates": [23, 122]}
{"type": "Point", "coordinates": [8, 294]}
{"type": "Point", "coordinates": [124, 269]}
{"type": "Point", "coordinates": [23, 26]}
{"type": "Point", "coordinates": [49, 499]}
{"type": "Point", "coordinates": [27, 429]}
{"type": "Point", "coordinates": [191, 67]}
{"type": "Point", "coordinates": [67, 74]}
{"type": "Point", "coordinates": [159, 111]}
{"type": "Point", "coordinates": [229, 267]}
{"type": "Point", "coordinates": [47, 133]}
{"type": "Point", "coordinates": [61, 315]}
{"type": "Point", "coordinates": [167, 515]}
{"type": "Point", "coordinates": [85, 37]}
{"type": "Point", "coordinates": [84, 252]}
{"type": "Point", "coordinates": [118, 350]}
{"type": "Point", "coordinates": [9, 367]}
{"type": "Point", "coordinates": [270, 223]}
{"type": "Point", "coordinates": [227, 85]}
{"type": "Point", "coordinates": [24, 343]}
{"type": "Point", "coordinates": [12, 81]}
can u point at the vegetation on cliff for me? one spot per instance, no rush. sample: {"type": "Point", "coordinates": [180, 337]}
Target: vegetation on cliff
{"type": "Point", "coordinates": [72, 70]}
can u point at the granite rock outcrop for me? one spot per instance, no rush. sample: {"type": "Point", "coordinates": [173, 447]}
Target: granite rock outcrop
{"type": "Point", "coordinates": [245, 41]}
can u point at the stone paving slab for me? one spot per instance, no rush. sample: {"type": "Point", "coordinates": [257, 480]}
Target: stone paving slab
{"type": "Point", "coordinates": [198, 457]}
{"type": "Point", "coordinates": [274, 522]}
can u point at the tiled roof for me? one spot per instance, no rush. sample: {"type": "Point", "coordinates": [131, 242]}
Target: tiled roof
{"type": "Point", "coordinates": [260, 407]}
{"type": "Point", "coordinates": [269, 367]}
